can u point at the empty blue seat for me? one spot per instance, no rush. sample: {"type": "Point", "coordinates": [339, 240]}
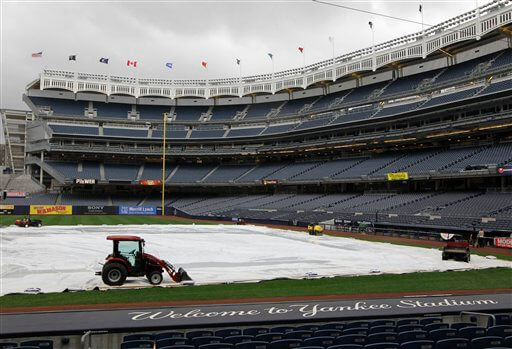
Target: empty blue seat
{"type": "Point", "coordinates": [382, 346]}
{"type": "Point", "coordinates": [170, 334]}
{"type": "Point", "coordinates": [40, 343]}
{"type": "Point", "coordinates": [356, 330]}
{"type": "Point", "coordinates": [252, 345]}
{"type": "Point", "coordinates": [430, 320]}
{"type": "Point", "coordinates": [27, 347]}
{"type": "Point", "coordinates": [298, 334]}
{"type": "Point", "coordinates": [500, 331]}
{"type": "Point", "coordinates": [444, 333]}
{"type": "Point", "coordinates": [269, 337]}
{"type": "Point", "coordinates": [503, 319]}
{"type": "Point", "coordinates": [286, 344]}
{"type": "Point", "coordinates": [310, 347]}
{"type": "Point", "coordinates": [332, 326]}
{"type": "Point", "coordinates": [197, 341]}
{"type": "Point", "coordinates": [380, 329]}
{"type": "Point", "coordinates": [452, 343]}
{"type": "Point", "coordinates": [324, 342]}
{"type": "Point", "coordinates": [329, 333]}
{"type": "Point", "coordinates": [407, 322]}
{"type": "Point", "coordinates": [178, 347]}
{"type": "Point", "coordinates": [384, 337]}
{"type": "Point", "coordinates": [459, 325]}
{"type": "Point", "coordinates": [424, 344]}
{"type": "Point", "coordinates": [410, 336]}
{"type": "Point", "coordinates": [312, 328]}
{"type": "Point", "coordinates": [382, 323]}
{"type": "Point", "coordinates": [409, 327]}
{"type": "Point", "coordinates": [508, 341]}
{"type": "Point", "coordinates": [486, 342]}
{"type": "Point", "coordinates": [347, 346]}
{"type": "Point", "coordinates": [351, 339]}
{"type": "Point", "coordinates": [8, 345]}
{"type": "Point", "coordinates": [167, 342]}
{"type": "Point", "coordinates": [253, 331]}
{"type": "Point", "coordinates": [472, 332]}
{"type": "Point", "coordinates": [199, 333]}
{"type": "Point", "coordinates": [138, 344]}
{"type": "Point", "coordinates": [228, 332]}
{"type": "Point", "coordinates": [282, 329]}
{"type": "Point", "coordinates": [238, 339]}
{"type": "Point", "coordinates": [216, 346]}
{"type": "Point", "coordinates": [139, 336]}
{"type": "Point", "coordinates": [357, 324]}
{"type": "Point", "coordinates": [435, 326]}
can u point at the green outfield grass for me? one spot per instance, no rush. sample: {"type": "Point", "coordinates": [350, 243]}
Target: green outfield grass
{"type": "Point", "coordinates": [99, 220]}
{"type": "Point", "coordinates": [414, 282]}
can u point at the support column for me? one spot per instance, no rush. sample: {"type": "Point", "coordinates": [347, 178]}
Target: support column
{"type": "Point", "coordinates": [41, 168]}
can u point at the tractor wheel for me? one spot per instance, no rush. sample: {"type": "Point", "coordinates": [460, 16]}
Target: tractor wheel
{"type": "Point", "coordinates": [468, 258]}
{"type": "Point", "coordinates": [39, 225]}
{"type": "Point", "coordinates": [155, 277]}
{"type": "Point", "coordinates": [445, 257]}
{"type": "Point", "coordinates": [26, 225]}
{"type": "Point", "coordinates": [113, 274]}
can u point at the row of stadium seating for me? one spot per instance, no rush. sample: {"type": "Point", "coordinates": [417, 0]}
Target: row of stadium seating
{"type": "Point", "coordinates": [357, 96]}
{"type": "Point", "coordinates": [406, 333]}
{"type": "Point", "coordinates": [223, 131]}
{"type": "Point", "coordinates": [415, 163]}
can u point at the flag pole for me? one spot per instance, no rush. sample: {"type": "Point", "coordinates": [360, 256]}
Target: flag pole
{"type": "Point", "coordinates": [163, 164]}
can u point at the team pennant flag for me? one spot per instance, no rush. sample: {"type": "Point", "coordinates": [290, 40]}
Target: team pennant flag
{"type": "Point", "coordinates": [370, 24]}
{"type": "Point", "coordinates": [270, 55]}
{"type": "Point", "coordinates": [301, 49]}
{"type": "Point", "coordinates": [168, 65]}
{"type": "Point", "coordinates": [331, 39]}
{"type": "Point", "coordinates": [72, 57]}
{"type": "Point", "coordinates": [237, 61]}
{"type": "Point", "coordinates": [204, 64]}
{"type": "Point", "coordinates": [131, 63]}
{"type": "Point", "coordinates": [104, 60]}
{"type": "Point", "coordinates": [421, 8]}
{"type": "Point", "coordinates": [37, 54]}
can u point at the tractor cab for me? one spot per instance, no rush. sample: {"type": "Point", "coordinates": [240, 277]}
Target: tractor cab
{"type": "Point", "coordinates": [128, 247]}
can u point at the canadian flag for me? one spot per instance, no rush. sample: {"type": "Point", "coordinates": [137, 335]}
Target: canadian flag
{"type": "Point", "coordinates": [301, 49]}
{"type": "Point", "coordinates": [131, 63]}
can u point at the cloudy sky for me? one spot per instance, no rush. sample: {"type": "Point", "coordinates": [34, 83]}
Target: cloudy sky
{"type": "Point", "coordinates": [187, 32]}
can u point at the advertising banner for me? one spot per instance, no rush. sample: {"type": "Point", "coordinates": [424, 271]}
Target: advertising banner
{"type": "Point", "coordinates": [95, 210]}
{"type": "Point", "coordinates": [51, 209]}
{"type": "Point", "coordinates": [137, 210]}
{"type": "Point", "coordinates": [15, 194]}
{"type": "Point", "coordinates": [6, 209]}
{"type": "Point", "coordinates": [398, 176]}
{"type": "Point", "coordinates": [503, 242]}
{"type": "Point", "coordinates": [270, 181]}
{"type": "Point", "coordinates": [504, 170]}
{"type": "Point", "coordinates": [150, 182]}
{"type": "Point", "coordinates": [85, 181]}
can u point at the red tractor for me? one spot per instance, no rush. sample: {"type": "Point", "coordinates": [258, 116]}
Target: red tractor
{"type": "Point", "coordinates": [128, 259]}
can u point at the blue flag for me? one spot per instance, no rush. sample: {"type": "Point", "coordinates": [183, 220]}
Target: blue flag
{"type": "Point", "coordinates": [168, 65]}
{"type": "Point", "coordinates": [237, 61]}
{"type": "Point", "coordinates": [271, 55]}
{"type": "Point", "coordinates": [104, 60]}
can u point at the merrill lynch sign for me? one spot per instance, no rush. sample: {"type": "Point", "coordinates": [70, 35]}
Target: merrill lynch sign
{"type": "Point", "coordinates": [318, 310]}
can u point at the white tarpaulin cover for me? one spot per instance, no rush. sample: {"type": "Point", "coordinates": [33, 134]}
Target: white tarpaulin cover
{"type": "Point", "coordinates": [54, 258]}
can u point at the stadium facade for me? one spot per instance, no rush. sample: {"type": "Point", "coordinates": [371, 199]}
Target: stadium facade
{"type": "Point", "coordinates": [414, 132]}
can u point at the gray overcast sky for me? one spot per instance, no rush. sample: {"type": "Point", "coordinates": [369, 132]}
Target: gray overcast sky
{"type": "Point", "coordinates": [186, 32]}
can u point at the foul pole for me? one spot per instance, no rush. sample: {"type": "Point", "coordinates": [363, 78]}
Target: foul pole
{"type": "Point", "coordinates": [163, 165]}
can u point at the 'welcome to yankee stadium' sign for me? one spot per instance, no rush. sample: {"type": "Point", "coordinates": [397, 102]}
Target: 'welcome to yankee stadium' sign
{"type": "Point", "coordinates": [235, 314]}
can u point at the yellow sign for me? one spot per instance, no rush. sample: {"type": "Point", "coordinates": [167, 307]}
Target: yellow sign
{"type": "Point", "coordinates": [6, 207]}
{"type": "Point", "coordinates": [51, 209]}
{"type": "Point", "coordinates": [398, 176]}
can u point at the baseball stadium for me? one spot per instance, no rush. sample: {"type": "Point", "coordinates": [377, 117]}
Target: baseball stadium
{"type": "Point", "coordinates": [359, 202]}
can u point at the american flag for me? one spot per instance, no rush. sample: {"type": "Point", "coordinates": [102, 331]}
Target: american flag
{"type": "Point", "coordinates": [37, 54]}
